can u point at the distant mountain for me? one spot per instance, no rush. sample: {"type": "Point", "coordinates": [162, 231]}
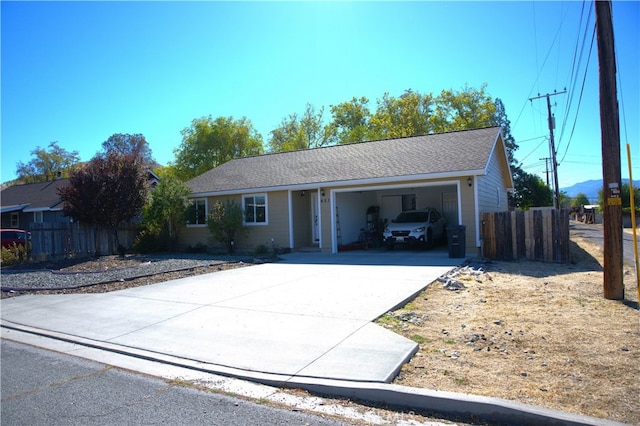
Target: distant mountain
{"type": "Point", "coordinates": [590, 188]}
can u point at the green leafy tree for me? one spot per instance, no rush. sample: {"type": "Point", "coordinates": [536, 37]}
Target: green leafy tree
{"type": "Point", "coordinates": [295, 132]}
{"type": "Point", "coordinates": [164, 213]}
{"type": "Point", "coordinates": [500, 119]}
{"type": "Point", "coordinates": [350, 121]}
{"type": "Point", "coordinates": [466, 109]}
{"type": "Point", "coordinates": [580, 200]}
{"type": "Point", "coordinates": [407, 115]}
{"type": "Point", "coordinates": [106, 192]}
{"type": "Point", "coordinates": [530, 191]}
{"type": "Point", "coordinates": [209, 142]}
{"type": "Point", "coordinates": [226, 223]}
{"type": "Point", "coordinates": [47, 164]}
{"type": "Point", "coordinates": [126, 144]}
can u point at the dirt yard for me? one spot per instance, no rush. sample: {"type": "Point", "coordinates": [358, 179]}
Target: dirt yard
{"type": "Point", "coordinates": [531, 332]}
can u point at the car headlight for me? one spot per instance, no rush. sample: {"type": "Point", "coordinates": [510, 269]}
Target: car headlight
{"type": "Point", "coordinates": [420, 229]}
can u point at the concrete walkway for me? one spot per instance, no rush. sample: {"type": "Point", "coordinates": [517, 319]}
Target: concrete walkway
{"type": "Point", "coordinates": [309, 316]}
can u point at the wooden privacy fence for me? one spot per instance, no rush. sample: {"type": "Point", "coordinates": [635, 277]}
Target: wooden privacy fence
{"type": "Point", "coordinates": [51, 241]}
{"type": "Point", "coordinates": [533, 235]}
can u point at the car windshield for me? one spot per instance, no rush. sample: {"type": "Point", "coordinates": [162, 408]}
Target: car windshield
{"type": "Point", "coordinates": [412, 217]}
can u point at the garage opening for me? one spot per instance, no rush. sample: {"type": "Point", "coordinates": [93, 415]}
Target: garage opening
{"type": "Point", "coordinates": [368, 210]}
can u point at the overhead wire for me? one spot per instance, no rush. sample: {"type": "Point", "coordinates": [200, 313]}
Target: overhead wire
{"type": "Point", "coordinates": [574, 81]}
{"type": "Point", "coordinates": [573, 128]}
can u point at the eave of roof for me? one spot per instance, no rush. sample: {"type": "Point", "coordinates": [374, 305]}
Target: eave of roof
{"type": "Point", "coordinates": [445, 155]}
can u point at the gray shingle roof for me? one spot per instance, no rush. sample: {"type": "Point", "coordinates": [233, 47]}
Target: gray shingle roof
{"type": "Point", "coordinates": [41, 195]}
{"type": "Point", "coordinates": [463, 152]}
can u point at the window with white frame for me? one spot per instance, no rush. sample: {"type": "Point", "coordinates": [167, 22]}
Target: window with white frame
{"type": "Point", "coordinates": [38, 217]}
{"type": "Point", "coordinates": [197, 212]}
{"type": "Point", "coordinates": [255, 209]}
{"type": "Point", "coordinates": [15, 220]}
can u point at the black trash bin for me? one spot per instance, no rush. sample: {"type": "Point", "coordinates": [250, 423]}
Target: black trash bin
{"type": "Point", "coordinates": [456, 240]}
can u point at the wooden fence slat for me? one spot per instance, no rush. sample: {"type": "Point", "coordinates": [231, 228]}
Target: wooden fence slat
{"type": "Point", "coordinates": [50, 241]}
{"type": "Point", "coordinates": [536, 235]}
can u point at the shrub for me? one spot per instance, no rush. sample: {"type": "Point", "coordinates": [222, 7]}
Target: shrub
{"type": "Point", "coordinates": [226, 223]}
{"type": "Point", "coordinates": [148, 242]}
{"type": "Point", "coordinates": [198, 248]}
{"type": "Point", "coordinates": [13, 255]}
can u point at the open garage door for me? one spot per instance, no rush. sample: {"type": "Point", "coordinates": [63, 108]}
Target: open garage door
{"type": "Point", "coordinates": [354, 203]}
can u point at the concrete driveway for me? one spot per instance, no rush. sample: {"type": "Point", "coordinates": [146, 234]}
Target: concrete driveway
{"type": "Point", "coordinates": [307, 316]}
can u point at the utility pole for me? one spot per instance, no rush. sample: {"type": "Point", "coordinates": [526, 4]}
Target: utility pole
{"type": "Point", "coordinates": [611, 169]}
{"type": "Point", "coordinates": [554, 163]}
{"type": "Point", "coordinates": [546, 167]}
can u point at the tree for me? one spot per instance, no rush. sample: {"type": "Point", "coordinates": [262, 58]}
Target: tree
{"type": "Point", "coordinates": [164, 213]}
{"type": "Point", "coordinates": [500, 119]}
{"type": "Point", "coordinates": [407, 115]}
{"type": "Point", "coordinates": [530, 191]}
{"type": "Point", "coordinates": [207, 143]}
{"type": "Point", "coordinates": [625, 194]}
{"type": "Point", "coordinates": [580, 200]}
{"type": "Point", "coordinates": [106, 192]}
{"type": "Point", "coordinates": [226, 223]}
{"type": "Point", "coordinates": [350, 121]}
{"type": "Point", "coordinates": [48, 164]}
{"type": "Point", "coordinates": [301, 133]}
{"type": "Point", "coordinates": [126, 144]}
{"type": "Point", "coordinates": [463, 110]}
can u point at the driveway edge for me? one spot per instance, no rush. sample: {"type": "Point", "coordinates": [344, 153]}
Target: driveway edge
{"type": "Point", "coordinates": [486, 409]}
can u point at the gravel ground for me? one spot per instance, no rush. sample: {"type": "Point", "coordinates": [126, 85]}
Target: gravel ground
{"type": "Point", "coordinates": [69, 275]}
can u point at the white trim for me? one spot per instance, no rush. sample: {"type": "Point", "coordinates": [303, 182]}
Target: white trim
{"type": "Point", "coordinates": [319, 207]}
{"type": "Point", "coordinates": [38, 218]}
{"type": "Point", "coordinates": [334, 236]}
{"type": "Point", "coordinates": [8, 209]}
{"type": "Point", "coordinates": [42, 209]}
{"type": "Point", "coordinates": [290, 213]}
{"type": "Point", "coordinates": [333, 192]}
{"type": "Point", "coordinates": [506, 157]}
{"type": "Point", "coordinates": [348, 184]}
{"type": "Point", "coordinates": [476, 210]}
{"type": "Point", "coordinates": [266, 208]}
{"type": "Point", "coordinates": [206, 209]}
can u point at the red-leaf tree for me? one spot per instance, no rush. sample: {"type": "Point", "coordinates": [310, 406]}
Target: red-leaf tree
{"type": "Point", "coordinates": [106, 192]}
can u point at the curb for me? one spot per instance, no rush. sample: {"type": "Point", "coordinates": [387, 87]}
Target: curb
{"type": "Point", "coordinates": [485, 409]}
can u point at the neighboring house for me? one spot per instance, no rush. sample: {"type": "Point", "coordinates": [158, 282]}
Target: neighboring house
{"type": "Point", "coordinates": [320, 197]}
{"type": "Point", "coordinates": [22, 205]}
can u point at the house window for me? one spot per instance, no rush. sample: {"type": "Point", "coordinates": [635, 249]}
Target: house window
{"type": "Point", "coordinates": [197, 213]}
{"type": "Point", "coordinates": [255, 209]}
{"type": "Point", "coordinates": [15, 220]}
{"type": "Point", "coordinates": [38, 217]}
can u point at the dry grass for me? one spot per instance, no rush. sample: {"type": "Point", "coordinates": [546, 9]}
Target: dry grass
{"type": "Point", "coordinates": [531, 332]}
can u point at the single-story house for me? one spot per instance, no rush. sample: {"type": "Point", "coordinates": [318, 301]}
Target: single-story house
{"type": "Point", "coordinates": [323, 197]}
{"type": "Point", "coordinates": [30, 203]}
{"type": "Point", "coordinates": [22, 205]}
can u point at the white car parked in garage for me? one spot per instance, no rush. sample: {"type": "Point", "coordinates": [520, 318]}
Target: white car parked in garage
{"type": "Point", "coordinates": [416, 227]}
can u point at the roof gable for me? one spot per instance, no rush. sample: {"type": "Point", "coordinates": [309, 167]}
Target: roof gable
{"type": "Point", "coordinates": [38, 196]}
{"type": "Point", "coordinates": [464, 152]}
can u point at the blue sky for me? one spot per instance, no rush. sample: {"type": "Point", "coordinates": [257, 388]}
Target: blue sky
{"type": "Point", "coordinates": [78, 72]}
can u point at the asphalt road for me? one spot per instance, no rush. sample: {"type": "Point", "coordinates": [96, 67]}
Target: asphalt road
{"type": "Point", "coordinates": [595, 233]}
{"type": "Point", "coordinates": [41, 387]}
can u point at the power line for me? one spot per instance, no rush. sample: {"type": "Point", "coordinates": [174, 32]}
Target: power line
{"type": "Point", "coordinates": [573, 128]}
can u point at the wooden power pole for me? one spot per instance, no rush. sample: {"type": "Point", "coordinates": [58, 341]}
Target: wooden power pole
{"type": "Point", "coordinates": [552, 147]}
{"type": "Point", "coordinates": [611, 173]}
